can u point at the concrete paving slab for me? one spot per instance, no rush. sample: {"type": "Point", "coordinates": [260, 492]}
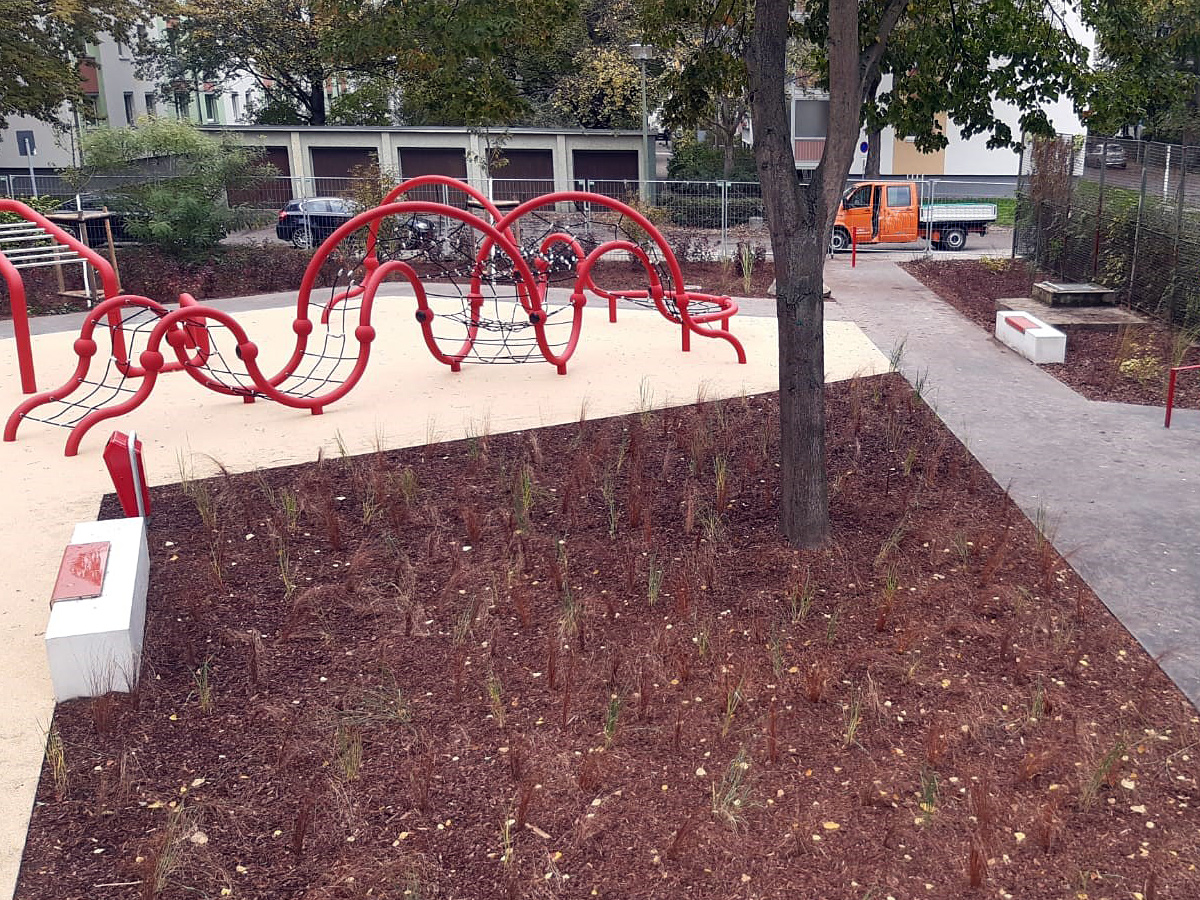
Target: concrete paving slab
{"type": "Point", "coordinates": [405, 397]}
{"type": "Point", "coordinates": [1122, 492]}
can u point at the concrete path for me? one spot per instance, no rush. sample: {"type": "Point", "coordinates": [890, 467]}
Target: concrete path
{"type": "Point", "coordinates": [404, 398]}
{"type": "Point", "coordinates": [1122, 492]}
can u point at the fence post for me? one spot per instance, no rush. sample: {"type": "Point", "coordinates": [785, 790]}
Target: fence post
{"type": "Point", "coordinates": [724, 215]}
{"type": "Point", "coordinates": [1099, 210]}
{"type": "Point", "coordinates": [1137, 228]}
{"type": "Point", "coordinates": [1179, 200]}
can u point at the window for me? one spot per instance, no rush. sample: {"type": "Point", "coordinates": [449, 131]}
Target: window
{"type": "Point", "coordinates": [236, 99]}
{"type": "Point", "coordinates": [151, 104]}
{"type": "Point", "coordinates": [122, 51]}
{"type": "Point", "coordinates": [899, 196]}
{"type": "Point", "coordinates": [859, 198]}
{"type": "Point", "coordinates": [210, 108]}
{"type": "Point", "coordinates": [130, 111]}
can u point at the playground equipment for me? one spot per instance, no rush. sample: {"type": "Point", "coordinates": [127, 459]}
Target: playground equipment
{"type": "Point", "coordinates": [492, 288]}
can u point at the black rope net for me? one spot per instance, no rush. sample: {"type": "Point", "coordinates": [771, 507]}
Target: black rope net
{"type": "Point", "coordinates": [552, 240]}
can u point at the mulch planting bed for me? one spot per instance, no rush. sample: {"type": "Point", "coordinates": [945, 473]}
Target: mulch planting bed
{"type": "Point", "coordinates": [1124, 365]}
{"type": "Point", "coordinates": [580, 662]}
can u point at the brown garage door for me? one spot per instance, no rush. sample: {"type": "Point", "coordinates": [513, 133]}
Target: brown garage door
{"type": "Point", "coordinates": [274, 190]}
{"type": "Point", "coordinates": [613, 173]}
{"type": "Point", "coordinates": [332, 165]}
{"type": "Point", "coordinates": [523, 174]}
{"type": "Point", "coordinates": [451, 161]}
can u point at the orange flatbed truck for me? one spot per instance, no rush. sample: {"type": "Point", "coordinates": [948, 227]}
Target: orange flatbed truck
{"type": "Point", "coordinates": [891, 212]}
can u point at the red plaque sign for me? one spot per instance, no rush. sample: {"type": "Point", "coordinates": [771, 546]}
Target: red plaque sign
{"type": "Point", "coordinates": [81, 575]}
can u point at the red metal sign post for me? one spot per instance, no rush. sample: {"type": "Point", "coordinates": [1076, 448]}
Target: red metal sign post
{"type": "Point", "coordinates": [123, 456]}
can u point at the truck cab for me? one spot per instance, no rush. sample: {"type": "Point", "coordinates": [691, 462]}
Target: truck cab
{"type": "Point", "coordinates": [878, 212]}
{"type": "Point", "coordinates": [890, 212]}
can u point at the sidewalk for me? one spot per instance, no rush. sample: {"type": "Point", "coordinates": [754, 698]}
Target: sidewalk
{"type": "Point", "coordinates": [1122, 492]}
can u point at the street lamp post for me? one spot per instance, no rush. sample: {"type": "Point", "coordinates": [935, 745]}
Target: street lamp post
{"type": "Point", "coordinates": [642, 53]}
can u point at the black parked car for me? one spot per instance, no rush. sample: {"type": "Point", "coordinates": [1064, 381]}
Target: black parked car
{"type": "Point", "coordinates": [308, 222]}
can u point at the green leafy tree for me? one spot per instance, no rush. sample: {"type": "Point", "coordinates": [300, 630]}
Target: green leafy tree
{"type": "Point", "coordinates": [42, 45]}
{"type": "Point", "coordinates": [177, 178]}
{"type": "Point", "coordinates": [456, 61]}
{"type": "Point", "coordinates": [289, 46]}
{"type": "Point", "coordinates": [1148, 66]}
{"type": "Point", "coordinates": [604, 91]}
{"type": "Point", "coordinates": [371, 103]}
{"type": "Point", "coordinates": [946, 58]}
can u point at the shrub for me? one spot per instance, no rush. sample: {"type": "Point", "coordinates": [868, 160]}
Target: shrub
{"type": "Point", "coordinates": [178, 178]}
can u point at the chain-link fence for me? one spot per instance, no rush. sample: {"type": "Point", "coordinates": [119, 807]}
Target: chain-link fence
{"type": "Point", "coordinates": [1121, 213]}
{"type": "Point", "coordinates": [703, 220]}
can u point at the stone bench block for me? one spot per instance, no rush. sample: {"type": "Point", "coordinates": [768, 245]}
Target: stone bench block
{"type": "Point", "coordinates": [94, 645]}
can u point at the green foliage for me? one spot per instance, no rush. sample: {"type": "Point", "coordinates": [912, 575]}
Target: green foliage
{"type": "Point", "coordinates": [369, 104]}
{"type": "Point", "coordinates": [287, 45]}
{"type": "Point", "coordinates": [604, 91]}
{"type": "Point", "coordinates": [1146, 66]}
{"type": "Point", "coordinates": [454, 61]}
{"type": "Point", "coordinates": [178, 178]}
{"type": "Point", "coordinates": [694, 160]}
{"type": "Point", "coordinates": [42, 43]}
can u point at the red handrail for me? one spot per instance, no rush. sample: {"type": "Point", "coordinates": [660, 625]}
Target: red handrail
{"type": "Point", "coordinates": [16, 290]}
{"type": "Point", "coordinates": [1171, 390]}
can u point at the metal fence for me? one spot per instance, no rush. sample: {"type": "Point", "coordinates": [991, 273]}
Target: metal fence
{"type": "Point", "coordinates": [704, 220]}
{"type": "Point", "coordinates": [1121, 213]}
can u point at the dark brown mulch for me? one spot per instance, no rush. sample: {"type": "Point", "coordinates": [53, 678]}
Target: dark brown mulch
{"type": "Point", "coordinates": [567, 663]}
{"type": "Point", "coordinates": [1123, 365]}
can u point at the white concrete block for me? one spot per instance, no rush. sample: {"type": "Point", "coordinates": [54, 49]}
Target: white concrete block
{"type": "Point", "coordinates": [95, 646]}
{"type": "Point", "coordinates": [1030, 336]}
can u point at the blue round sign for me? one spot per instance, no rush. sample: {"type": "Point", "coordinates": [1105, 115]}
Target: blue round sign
{"type": "Point", "coordinates": [864, 147]}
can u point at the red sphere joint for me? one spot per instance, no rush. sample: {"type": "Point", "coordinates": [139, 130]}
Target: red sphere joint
{"type": "Point", "coordinates": [151, 360]}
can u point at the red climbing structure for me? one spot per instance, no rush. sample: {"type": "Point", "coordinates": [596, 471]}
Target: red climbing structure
{"type": "Point", "coordinates": [491, 288]}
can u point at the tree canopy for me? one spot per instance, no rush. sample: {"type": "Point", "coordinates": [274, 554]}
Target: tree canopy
{"type": "Point", "coordinates": [42, 44]}
{"type": "Point", "coordinates": [287, 45]}
{"type": "Point", "coordinates": [943, 57]}
{"type": "Point", "coordinates": [1147, 66]}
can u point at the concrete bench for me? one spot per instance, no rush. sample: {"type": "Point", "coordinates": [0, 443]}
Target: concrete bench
{"type": "Point", "coordinates": [94, 643]}
{"type": "Point", "coordinates": [1030, 336]}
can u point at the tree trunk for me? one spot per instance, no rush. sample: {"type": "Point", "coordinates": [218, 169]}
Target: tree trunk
{"type": "Point", "coordinates": [871, 168]}
{"type": "Point", "coordinates": [799, 218]}
{"type": "Point", "coordinates": [316, 99]}
{"type": "Point", "coordinates": [875, 136]}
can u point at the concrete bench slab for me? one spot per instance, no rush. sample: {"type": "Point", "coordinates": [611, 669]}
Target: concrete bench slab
{"type": "Point", "coordinates": [1031, 337]}
{"type": "Point", "coordinates": [94, 644]}
{"type": "Point", "coordinates": [1064, 294]}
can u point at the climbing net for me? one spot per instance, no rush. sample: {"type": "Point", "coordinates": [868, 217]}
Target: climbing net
{"type": "Point", "coordinates": [489, 287]}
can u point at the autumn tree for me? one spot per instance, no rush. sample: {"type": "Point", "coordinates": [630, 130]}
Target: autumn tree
{"type": "Point", "coordinates": [42, 45]}
{"type": "Point", "coordinates": [467, 62]}
{"type": "Point", "coordinates": [1147, 66]}
{"type": "Point", "coordinates": [286, 45]}
{"type": "Point", "coordinates": [955, 59]}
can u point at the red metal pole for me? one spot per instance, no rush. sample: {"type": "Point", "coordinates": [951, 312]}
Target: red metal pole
{"type": "Point", "coordinates": [20, 320]}
{"type": "Point", "coordinates": [853, 247]}
{"type": "Point", "coordinates": [1170, 397]}
{"type": "Point", "coordinates": [1171, 389]}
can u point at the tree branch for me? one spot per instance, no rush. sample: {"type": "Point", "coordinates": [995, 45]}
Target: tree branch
{"type": "Point", "coordinates": [872, 55]}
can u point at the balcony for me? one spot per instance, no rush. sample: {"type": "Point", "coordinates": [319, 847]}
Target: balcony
{"type": "Point", "coordinates": [89, 76]}
{"type": "Point", "coordinates": [809, 151]}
